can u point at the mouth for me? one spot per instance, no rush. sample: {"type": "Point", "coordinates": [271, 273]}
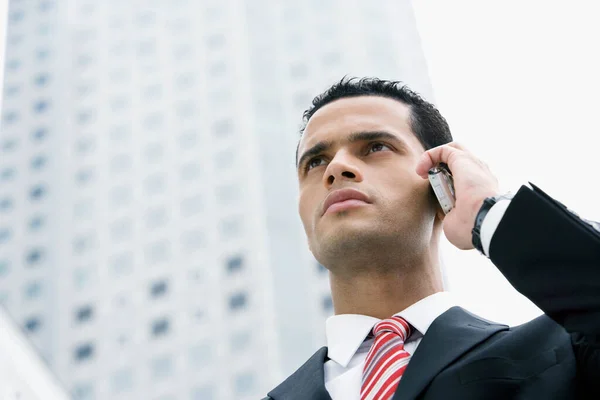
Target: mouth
{"type": "Point", "coordinates": [344, 199]}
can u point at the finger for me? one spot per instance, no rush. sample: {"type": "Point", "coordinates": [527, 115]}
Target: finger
{"type": "Point", "coordinates": [433, 157]}
{"type": "Point", "coordinates": [457, 145]}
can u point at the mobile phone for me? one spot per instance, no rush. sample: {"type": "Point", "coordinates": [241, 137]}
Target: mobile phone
{"type": "Point", "coordinates": [442, 183]}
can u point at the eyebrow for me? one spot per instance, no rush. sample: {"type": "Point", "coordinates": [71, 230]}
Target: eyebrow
{"type": "Point", "coordinates": [364, 136]}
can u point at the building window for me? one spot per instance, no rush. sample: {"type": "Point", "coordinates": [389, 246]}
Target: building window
{"type": "Point", "coordinates": [6, 204]}
{"type": "Point", "coordinates": [42, 54]}
{"type": "Point", "coordinates": [121, 195]}
{"type": "Point", "coordinates": [85, 176]}
{"type": "Point", "coordinates": [36, 222]}
{"type": "Point", "coordinates": [185, 81]}
{"type": "Point", "coordinates": [162, 367]}
{"type": "Point", "coordinates": [188, 139]}
{"type": "Point", "coordinates": [156, 217]}
{"type": "Point", "coordinates": [33, 324]}
{"type": "Point", "coordinates": [84, 352]}
{"type": "Point", "coordinates": [121, 229]}
{"type": "Point", "coordinates": [85, 145]}
{"type": "Point", "coordinates": [192, 240]}
{"type": "Point", "coordinates": [9, 145]}
{"type": "Point", "coordinates": [122, 263]}
{"type": "Point", "coordinates": [81, 278]}
{"type": "Point", "coordinates": [186, 109]}
{"type": "Point", "coordinates": [223, 128]}
{"type": "Point", "coordinates": [231, 227]}
{"type": "Point", "coordinates": [215, 41]}
{"type": "Point", "coordinates": [13, 64]}
{"type": "Point", "coordinates": [234, 264]}
{"type": "Point", "coordinates": [244, 384]}
{"type": "Point", "coordinates": [41, 80]}
{"type": "Point", "coordinates": [240, 341]}
{"type": "Point", "coordinates": [83, 243]}
{"type": "Point", "coordinates": [224, 159]}
{"type": "Point", "coordinates": [4, 267]}
{"type": "Point", "coordinates": [154, 152]}
{"type": "Point", "coordinates": [327, 303]}
{"type": "Point", "coordinates": [203, 393]}
{"type": "Point", "coordinates": [84, 117]}
{"type": "Point", "coordinates": [83, 391]}
{"type": "Point", "coordinates": [37, 192]}
{"type": "Point", "coordinates": [119, 163]}
{"type": "Point", "coordinates": [41, 106]}
{"type": "Point", "coordinates": [39, 134]}
{"type": "Point", "coordinates": [158, 289]}
{"type": "Point", "coordinates": [17, 16]}
{"type": "Point", "coordinates": [153, 122]}
{"type": "Point", "coordinates": [237, 301]}
{"type": "Point", "coordinates": [34, 256]}
{"type": "Point", "coordinates": [122, 380]}
{"type": "Point", "coordinates": [84, 314]}
{"type": "Point", "coordinates": [12, 90]}
{"type": "Point", "coordinates": [154, 184]}
{"type": "Point", "coordinates": [45, 6]}
{"type": "Point", "coordinates": [83, 209]}
{"type": "Point", "coordinates": [33, 290]}
{"type": "Point", "coordinates": [158, 252]}
{"type": "Point", "coordinates": [10, 117]}
{"type": "Point", "coordinates": [7, 174]}
{"type": "Point", "coordinates": [227, 194]}
{"type": "Point", "coordinates": [201, 355]}
{"type": "Point", "coordinates": [160, 327]}
{"type": "Point", "coordinates": [5, 235]}
{"type": "Point", "coordinates": [191, 205]}
{"type": "Point", "coordinates": [190, 171]}
{"type": "Point", "coordinates": [38, 162]}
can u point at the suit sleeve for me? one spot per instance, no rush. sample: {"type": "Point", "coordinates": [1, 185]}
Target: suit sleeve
{"type": "Point", "coordinates": [552, 256]}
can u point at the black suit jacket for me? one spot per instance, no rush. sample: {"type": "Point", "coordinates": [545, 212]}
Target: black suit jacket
{"type": "Point", "coordinates": [551, 256]}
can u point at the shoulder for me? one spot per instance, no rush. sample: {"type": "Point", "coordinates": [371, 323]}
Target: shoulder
{"type": "Point", "coordinates": [539, 333]}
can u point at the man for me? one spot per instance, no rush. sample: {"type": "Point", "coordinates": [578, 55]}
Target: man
{"type": "Point", "coordinates": [372, 219]}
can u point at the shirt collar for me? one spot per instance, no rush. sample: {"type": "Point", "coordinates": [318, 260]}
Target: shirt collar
{"type": "Point", "coordinates": [346, 332]}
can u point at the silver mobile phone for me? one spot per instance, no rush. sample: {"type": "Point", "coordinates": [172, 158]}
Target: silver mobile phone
{"type": "Point", "coordinates": [442, 183]}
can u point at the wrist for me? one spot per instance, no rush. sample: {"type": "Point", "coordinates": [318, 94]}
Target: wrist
{"type": "Point", "coordinates": [482, 213]}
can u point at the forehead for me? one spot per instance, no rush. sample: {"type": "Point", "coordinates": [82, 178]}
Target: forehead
{"type": "Point", "coordinates": [342, 117]}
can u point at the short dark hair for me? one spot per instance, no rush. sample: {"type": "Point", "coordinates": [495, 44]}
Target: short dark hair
{"type": "Point", "coordinates": [426, 122]}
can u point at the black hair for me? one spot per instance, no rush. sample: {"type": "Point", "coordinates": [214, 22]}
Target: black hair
{"type": "Point", "coordinates": [426, 122]}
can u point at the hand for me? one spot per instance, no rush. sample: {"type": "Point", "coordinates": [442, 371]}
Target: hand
{"type": "Point", "coordinates": [473, 182]}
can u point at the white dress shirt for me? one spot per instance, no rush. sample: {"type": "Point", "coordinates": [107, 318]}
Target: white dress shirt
{"type": "Point", "coordinates": [346, 333]}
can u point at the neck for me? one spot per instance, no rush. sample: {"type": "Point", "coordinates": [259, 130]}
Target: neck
{"type": "Point", "coordinates": [382, 291]}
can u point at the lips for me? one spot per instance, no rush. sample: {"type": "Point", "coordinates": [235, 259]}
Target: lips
{"type": "Point", "coordinates": [342, 195]}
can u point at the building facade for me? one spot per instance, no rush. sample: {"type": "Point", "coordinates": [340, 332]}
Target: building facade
{"type": "Point", "coordinates": [149, 238]}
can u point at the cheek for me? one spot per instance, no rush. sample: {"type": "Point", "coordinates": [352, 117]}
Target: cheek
{"type": "Point", "coordinates": [306, 208]}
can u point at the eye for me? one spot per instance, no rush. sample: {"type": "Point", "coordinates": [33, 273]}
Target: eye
{"type": "Point", "coordinates": [312, 163]}
{"type": "Point", "coordinates": [378, 147]}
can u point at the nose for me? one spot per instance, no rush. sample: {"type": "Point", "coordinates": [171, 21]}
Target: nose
{"type": "Point", "coordinates": [342, 168]}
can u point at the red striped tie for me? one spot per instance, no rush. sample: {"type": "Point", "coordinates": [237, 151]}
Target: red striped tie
{"type": "Point", "coordinates": [386, 360]}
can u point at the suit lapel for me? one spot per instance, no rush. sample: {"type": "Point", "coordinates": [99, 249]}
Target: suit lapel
{"type": "Point", "coordinates": [308, 382]}
{"type": "Point", "coordinates": [450, 335]}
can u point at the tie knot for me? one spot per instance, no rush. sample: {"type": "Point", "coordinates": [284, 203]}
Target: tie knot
{"type": "Point", "coordinates": [397, 325]}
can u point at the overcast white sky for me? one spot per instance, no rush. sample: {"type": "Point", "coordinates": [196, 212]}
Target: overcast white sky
{"type": "Point", "coordinates": [518, 82]}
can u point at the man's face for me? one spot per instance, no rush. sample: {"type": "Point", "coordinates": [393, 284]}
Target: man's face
{"type": "Point", "coordinates": [364, 144]}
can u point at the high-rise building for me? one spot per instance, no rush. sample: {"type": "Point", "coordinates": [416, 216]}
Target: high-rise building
{"type": "Point", "coordinates": [149, 237]}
